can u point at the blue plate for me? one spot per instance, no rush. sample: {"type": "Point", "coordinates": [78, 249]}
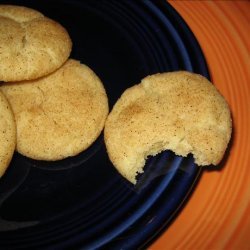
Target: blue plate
{"type": "Point", "coordinates": [82, 202]}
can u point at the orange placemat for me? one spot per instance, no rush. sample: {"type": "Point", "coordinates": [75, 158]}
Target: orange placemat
{"type": "Point", "coordinates": [217, 216]}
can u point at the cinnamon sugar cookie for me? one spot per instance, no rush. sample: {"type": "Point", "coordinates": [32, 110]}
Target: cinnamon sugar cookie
{"type": "Point", "coordinates": [178, 111]}
{"type": "Point", "coordinates": [7, 134]}
{"type": "Point", "coordinates": [32, 45]}
{"type": "Point", "coordinates": [58, 115]}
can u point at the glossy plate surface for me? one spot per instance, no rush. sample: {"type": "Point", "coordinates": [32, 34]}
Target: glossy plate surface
{"type": "Point", "coordinates": [82, 201]}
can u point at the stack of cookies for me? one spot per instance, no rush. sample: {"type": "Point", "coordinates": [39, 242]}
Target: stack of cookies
{"type": "Point", "coordinates": [56, 106]}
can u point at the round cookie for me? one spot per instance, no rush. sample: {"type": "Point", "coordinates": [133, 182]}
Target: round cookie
{"type": "Point", "coordinates": [32, 45]}
{"type": "Point", "coordinates": [7, 134]}
{"type": "Point", "coordinates": [58, 115]}
{"type": "Point", "coordinates": [178, 111]}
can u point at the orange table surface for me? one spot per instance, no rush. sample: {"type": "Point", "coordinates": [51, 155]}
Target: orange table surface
{"type": "Point", "coordinates": [217, 215]}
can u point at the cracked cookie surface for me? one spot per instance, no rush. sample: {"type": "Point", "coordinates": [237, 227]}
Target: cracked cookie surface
{"type": "Point", "coordinates": [7, 134]}
{"type": "Point", "coordinates": [32, 45]}
{"type": "Point", "coordinates": [58, 115]}
{"type": "Point", "coordinates": [178, 111]}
